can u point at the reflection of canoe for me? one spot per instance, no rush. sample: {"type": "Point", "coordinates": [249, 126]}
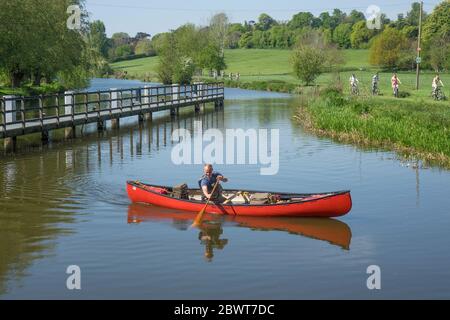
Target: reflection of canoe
{"type": "Point", "coordinates": [333, 231]}
{"type": "Point", "coordinates": [333, 204]}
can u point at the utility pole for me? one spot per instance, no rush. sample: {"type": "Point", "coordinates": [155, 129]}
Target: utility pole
{"type": "Point", "coordinates": [418, 60]}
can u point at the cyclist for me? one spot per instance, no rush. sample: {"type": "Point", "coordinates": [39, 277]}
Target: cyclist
{"type": "Point", "coordinates": [375, 81]}
{"type": "Point", "coordinates": [354, 84]}
{"type": "Point", "coordinates": [395, 81]}
{"type": "Point", "coordinates": [436, 85]}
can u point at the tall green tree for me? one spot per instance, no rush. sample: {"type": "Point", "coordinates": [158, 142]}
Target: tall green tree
{"type": "Point", "coordinates": [301, 20]}
{"type": "Point", "coordinates": [389, 49]}
{"type": "Point", "coordinates": [341, 35]}
{"type": "Point", "coordinates": [436, 34]}
{"type": "Point", "coordinates": [412, 17]}
{"type": "Point", "coordinates": [361, 35]}
{"type": "Point", "coordinates": [265, 22]}
{"type": "Point", "coordinates": [312, 56]}
{"type": "Point", "coordinates": [36, 43]}
{"type": "Point", "coordinates": [98, 37]}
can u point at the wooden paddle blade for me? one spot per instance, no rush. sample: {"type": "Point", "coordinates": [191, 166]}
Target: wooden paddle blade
{"type": "Point", "coordinates": [198, 220]}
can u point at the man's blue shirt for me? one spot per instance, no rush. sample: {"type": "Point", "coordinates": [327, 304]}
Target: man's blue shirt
{"type": "Point", "coordinates": [209, 182]}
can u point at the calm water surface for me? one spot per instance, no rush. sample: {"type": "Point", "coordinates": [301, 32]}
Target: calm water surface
{"type": "Point", "coordinates": [66, 204]}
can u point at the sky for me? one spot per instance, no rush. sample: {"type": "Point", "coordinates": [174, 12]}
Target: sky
{"type": "Point", "coordinates": [133, 16]}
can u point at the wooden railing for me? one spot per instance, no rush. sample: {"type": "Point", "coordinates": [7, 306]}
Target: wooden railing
{"type": "Point", "coordinates": [23, 115]}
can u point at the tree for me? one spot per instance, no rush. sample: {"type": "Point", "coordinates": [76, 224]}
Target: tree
{"type": "Point", "coordinates": [124, 50]}
{"type": "Point", "coordinates": [437, 24]}
{"type": "Point", "coordinates": [144, 46]}
{"type": "Point", "coordinates": [246, 40]}
{"type": "Point", "coordinates": [341, 35]}
{"type": "Point", "coordinates": [312, 56]}
{"type": "Point", "coordinates": [338, 17]}
{"type": "Point", "coordinates": [234, 33]}
{"type": "Point", "coordinates": [211, 58]}
{"type": "Point", "coordinates": [436, 36]}
{"type": "Point", "coordinates": [361, 35]}
{"type": "Point", "coordinates": [120, 39]}
{"type": "Point", "coordinates": [301, 20]}
{"type": "Point", "coordinates": [265, 22]}
{"type": "Point", "coordinates": [439, 53]}
{"type": "Point", "coordinates": [389, 48]}
{"type": "Point", "coordinates": [355, 16]}
{"type": "Point", "coordinates": [412, 17]}
{"type": "Point", "coordinates": [307, 63]}
{"type": "Point", "coordinates": [218, 27]}
{"type": "Point", "coordinates": [281, 37]}
{"type": "Point", "coordinates": [36, 43]}
{"type": "Point", "coordinates": [327, 21]}
{"type": "Point", "coordinates": [98, 38]}
{"type": "Point", "coordinates": [168, 57]}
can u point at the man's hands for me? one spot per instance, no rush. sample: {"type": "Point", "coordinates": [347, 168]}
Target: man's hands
{"type": "Point", "coordinates": [222, 178]}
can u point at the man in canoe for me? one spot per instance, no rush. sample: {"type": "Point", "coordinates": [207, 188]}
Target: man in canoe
{"type": "Point", "coordinates": [207, 183]}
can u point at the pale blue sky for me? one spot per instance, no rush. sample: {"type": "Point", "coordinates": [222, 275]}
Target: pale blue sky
{"type": "Point", "coordinates": [153, 17]}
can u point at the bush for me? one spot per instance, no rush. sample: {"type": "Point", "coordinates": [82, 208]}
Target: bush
{"type": "Point", "coordinates": [388, 49]}
{"type": "Point", "coordinates": [333, 96]}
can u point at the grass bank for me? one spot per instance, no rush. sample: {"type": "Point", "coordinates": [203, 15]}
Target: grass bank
{"type": "Point", "coordinates": [30, 90]}
{"type": "Point", "coordinates": [412, 128]}
{"type": "Point", "coordinates": [270, 69]}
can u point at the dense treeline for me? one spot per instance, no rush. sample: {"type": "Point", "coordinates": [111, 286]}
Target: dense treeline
{"type": "Point", "coordinates": [392, 46]}
{"type": "Point", "coordinates": [37, 46]}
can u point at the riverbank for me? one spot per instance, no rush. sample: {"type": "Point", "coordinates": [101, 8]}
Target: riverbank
{"type": "Point", "coordinates": [32, 90]}
{"type": "Point", "coordinates": [412, 128]}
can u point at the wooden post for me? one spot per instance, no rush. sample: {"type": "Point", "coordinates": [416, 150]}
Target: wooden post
{"type": "Point", "coordinates": [115, 104]}
{"type": "Point", "coordinates": [418, 46]}
{"type": "Point", "coordinates": [100, 125]}
{"type": "Point", "coordinates": [175, 92]}
{"type": "Point", "coordinates": [114, 100]}
{"type": "Point", "coordinates": [10, 144]}
{"type": "Point", "coordinates": [44, 136]}
{"type": "Point", "coordinates": [115, 123]}
{"type": "Point", "coordinates": [10, 116]}
{"type": "Point", "coordinates": [10, 109]}
{"type": "Point", "coordinates": [146, 99]}
{"type": "Point", "coordinates": [69, 109]}
{"type": "Point", "coordinates": [57, 109]}
{"type": "Point", "coordinates": [145, 117]}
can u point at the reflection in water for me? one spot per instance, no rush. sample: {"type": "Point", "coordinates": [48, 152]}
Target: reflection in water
{"type": "Point", "coordinates": [333, 231]}
{"type": "Point", "coordinates": [42, 189]}
{"type": "Point", "coordinates": [210, 233]}
{"type": "Point", "coordinates": [34, 202]}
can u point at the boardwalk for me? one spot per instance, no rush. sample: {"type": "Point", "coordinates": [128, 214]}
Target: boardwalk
{"type": "Point", "coordinates": [25, 115]}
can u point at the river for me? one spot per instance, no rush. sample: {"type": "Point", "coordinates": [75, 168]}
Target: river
{"type": "Point", "coordinates": [66, 204]}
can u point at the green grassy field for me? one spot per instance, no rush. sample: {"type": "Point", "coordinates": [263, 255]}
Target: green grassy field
{"type": "Point", "coordinates": [273, 65]}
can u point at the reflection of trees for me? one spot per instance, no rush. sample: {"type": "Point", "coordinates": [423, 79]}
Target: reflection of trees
{"type": "Point", "coordinates": [30, 211]}
{"type": "Point", "coordinates": [37, 187]}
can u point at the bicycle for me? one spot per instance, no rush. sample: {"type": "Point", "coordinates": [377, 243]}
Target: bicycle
{"type": "Point", "coordinates": [375, 89]}
{"type": "Point", "coordinates": [354, 89]}
{"type": "Point", "coordinates": [438, 94]}
{"type": "Point", "coordinates": [396, 91]}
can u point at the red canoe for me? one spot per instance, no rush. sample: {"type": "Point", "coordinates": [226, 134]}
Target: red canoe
{"type": "Point", "coordinates": [332, 204]}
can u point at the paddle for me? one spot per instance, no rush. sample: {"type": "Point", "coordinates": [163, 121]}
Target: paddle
{"type": "Point", "coordinates": [199, 218]}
